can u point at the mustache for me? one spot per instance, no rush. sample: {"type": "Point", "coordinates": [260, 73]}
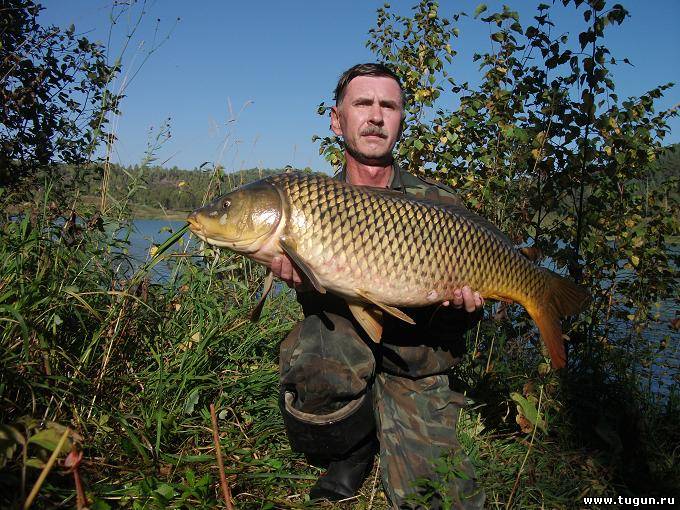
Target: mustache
{"type": "Point", "coordinates": [374, 130]}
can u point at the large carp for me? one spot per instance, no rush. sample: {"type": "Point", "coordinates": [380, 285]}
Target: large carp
{"type": "Point", "coordinates": [380, 249]}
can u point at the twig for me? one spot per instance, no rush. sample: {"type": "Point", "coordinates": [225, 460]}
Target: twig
{"type": "Point", "coordinates": [531, 444]}
{"type": "Point", "coordinates": [488, 360]}
{"type": "Point", "coordinates": [46, 470]}
{"type": "Point", "coordinates": [375, 480]}
{"type": "Point", "coordinates": [226, 491]}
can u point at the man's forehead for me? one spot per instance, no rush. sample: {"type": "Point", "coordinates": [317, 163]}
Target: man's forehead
{"type": "Point", "coordinates": [383, 86]}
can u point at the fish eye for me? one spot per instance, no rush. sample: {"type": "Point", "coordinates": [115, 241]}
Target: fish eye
{"type": "Point", "coordinates": [226, 204]}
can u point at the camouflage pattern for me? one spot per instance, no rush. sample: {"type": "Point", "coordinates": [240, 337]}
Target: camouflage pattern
{"type": "Point", "coordinates": [328, 361]}
{"type": "Point", "coordinates": [421, 461]}
{"type": "Point", "coordinates": [325, 363]}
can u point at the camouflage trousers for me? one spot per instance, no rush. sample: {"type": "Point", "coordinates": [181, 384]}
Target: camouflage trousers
{"type": "Point", "coordinates": [328, 366]}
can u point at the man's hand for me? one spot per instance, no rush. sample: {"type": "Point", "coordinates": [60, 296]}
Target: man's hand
{"type": "Point", "coordinates": [465, 298]}
{"type": "Point", "coordinates": [283, 268]}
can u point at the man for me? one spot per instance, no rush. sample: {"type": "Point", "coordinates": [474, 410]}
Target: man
{"type": "Point", "coordinates": [344, 397]}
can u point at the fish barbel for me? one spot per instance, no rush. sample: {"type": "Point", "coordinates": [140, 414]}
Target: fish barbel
{"type": "Point", "coordinates": [381, 250]}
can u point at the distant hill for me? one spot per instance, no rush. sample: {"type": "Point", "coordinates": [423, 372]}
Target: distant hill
{"type": "Point", "coordinates": [161, 192]}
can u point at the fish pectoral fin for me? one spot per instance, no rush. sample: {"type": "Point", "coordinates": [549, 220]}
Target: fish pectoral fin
{"type": "Point", "coordinates": [289, 249]}
{"type": "Point", "coordinates": [268, 284]}
{"type": "Point", "coordinates": [392, 310]}
{"type": "Point", "coordinates": [369, 318]}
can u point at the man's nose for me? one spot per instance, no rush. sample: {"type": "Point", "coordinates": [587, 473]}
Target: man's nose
{"type": "Point", "coordinates": [376, 116]}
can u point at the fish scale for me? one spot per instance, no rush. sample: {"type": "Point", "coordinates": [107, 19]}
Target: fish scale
{"type": "Point", "coordinates": [379, 247]}
{"type": "Point", "coordinates": [391, 238]}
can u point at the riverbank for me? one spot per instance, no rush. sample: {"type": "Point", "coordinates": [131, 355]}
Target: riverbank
{"type": "Point", "coordinates": [143, 212]}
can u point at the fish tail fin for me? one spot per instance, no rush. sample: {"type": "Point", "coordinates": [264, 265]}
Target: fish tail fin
{"type": "Point", "coordinates": [562, 297]}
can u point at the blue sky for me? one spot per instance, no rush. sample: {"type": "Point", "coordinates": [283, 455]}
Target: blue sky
{"type": "Point", "coordinates": [274, 62]}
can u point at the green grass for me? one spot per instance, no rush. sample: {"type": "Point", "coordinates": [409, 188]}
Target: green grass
{"type": "Point", "coordinates": [133, 367]}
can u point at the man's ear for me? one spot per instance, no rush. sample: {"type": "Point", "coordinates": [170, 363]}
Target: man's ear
{"type": "Point", "coordinates": [335, 121]}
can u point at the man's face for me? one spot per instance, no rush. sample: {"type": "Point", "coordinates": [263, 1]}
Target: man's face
{"type": "Point", "coordinates": [369, 118]}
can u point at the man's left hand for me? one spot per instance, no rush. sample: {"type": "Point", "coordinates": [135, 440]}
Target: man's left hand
{"type": "Point", "coordinates": [465, 298]}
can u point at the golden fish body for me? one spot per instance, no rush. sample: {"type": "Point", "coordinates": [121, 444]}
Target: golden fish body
{"type": "Point", "coordinates": [380, 248]}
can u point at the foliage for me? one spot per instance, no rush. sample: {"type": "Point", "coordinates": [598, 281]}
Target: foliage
{"type": "Point", "coordinates": [54, 92]}
{"type": "Point", "coordinates": [131, 366]}
{"type": "Point", "coordinates": [545, 148]}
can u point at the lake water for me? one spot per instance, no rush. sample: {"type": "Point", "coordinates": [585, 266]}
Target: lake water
{"type": "Point", "coordinates": [146, 234]}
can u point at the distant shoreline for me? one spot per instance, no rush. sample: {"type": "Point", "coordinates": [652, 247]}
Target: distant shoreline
{"type": "Point", "coordinates": [148, 213]}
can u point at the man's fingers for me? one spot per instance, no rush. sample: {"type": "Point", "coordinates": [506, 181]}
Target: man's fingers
{"type": "Point", "coordinates": [286, 270]}
{"type": "Point", "coordinates": [468, 300]}
{"type": "Point", "coordinates": [297, 280]}
{"type": "Point", "coordinates": [276, 266]}
{"type": "Point", "coordinates": [457, 300]}
{"type": "Point", "coordinates": [283, 269]}
{"type": "Point", "coordinates": [289, 269]}
{"type": "Point", "coordinates": [479, 301]}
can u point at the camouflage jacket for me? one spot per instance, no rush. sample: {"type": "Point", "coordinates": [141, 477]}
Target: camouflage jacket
{"type": "Point", "coordinates": [436, 342]}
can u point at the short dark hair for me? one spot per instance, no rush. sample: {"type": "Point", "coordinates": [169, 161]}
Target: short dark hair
{"type": "Point", "coordinates": [369, 69]}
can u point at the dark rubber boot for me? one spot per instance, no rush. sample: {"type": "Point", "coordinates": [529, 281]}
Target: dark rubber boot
{"type": "Point", "coordinates": [343, 441]}
{"type": "Point", "coordinates": [344, 477]}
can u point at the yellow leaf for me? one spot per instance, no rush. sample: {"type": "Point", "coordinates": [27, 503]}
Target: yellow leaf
{"type": "Point", "coordinates": [635, 260]}
{"type": "Point", "coordinates": [543, 368]}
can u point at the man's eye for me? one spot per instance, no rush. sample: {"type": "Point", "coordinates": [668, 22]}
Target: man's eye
{"type": "Point", "coordinates": [226, 204]}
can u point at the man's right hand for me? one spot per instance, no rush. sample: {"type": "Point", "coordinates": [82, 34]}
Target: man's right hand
{"type": "Point", "coordinates": [283, 268]}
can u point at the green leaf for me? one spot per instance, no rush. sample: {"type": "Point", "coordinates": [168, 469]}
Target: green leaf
{"type": "Point", "coordinates": [34, 463]}
{"type": "Point", "coordinates": [480, 9]}
{"type": "Point", "coordinates": [529, 411]}
{"type": "Point", "coordinates": [10, 439]}
{"type": "Point", "coordinates": [100, 504]}
{"type": "Point", "coordinates": [49, 438]}
{"type": "Point", "coordinates": [191, 401]}
{"type": "Point", "coordinates": [166, 491]}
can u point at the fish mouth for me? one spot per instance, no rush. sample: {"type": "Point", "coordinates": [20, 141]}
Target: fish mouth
{"type": "Point", "coordinates": [194, 225]}
{"type": "Point", "coordinates": [199, 230]}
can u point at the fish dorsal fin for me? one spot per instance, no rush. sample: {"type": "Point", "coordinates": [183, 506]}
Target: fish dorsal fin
{"type": "Point", "coordinates": [289, 249]}
{"type": "Point", "coordinates": [387, 308]}
{"type": "Point", "coordinates": [369, 318]}
{"type": "Point", "coordinates": [268, 283]}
